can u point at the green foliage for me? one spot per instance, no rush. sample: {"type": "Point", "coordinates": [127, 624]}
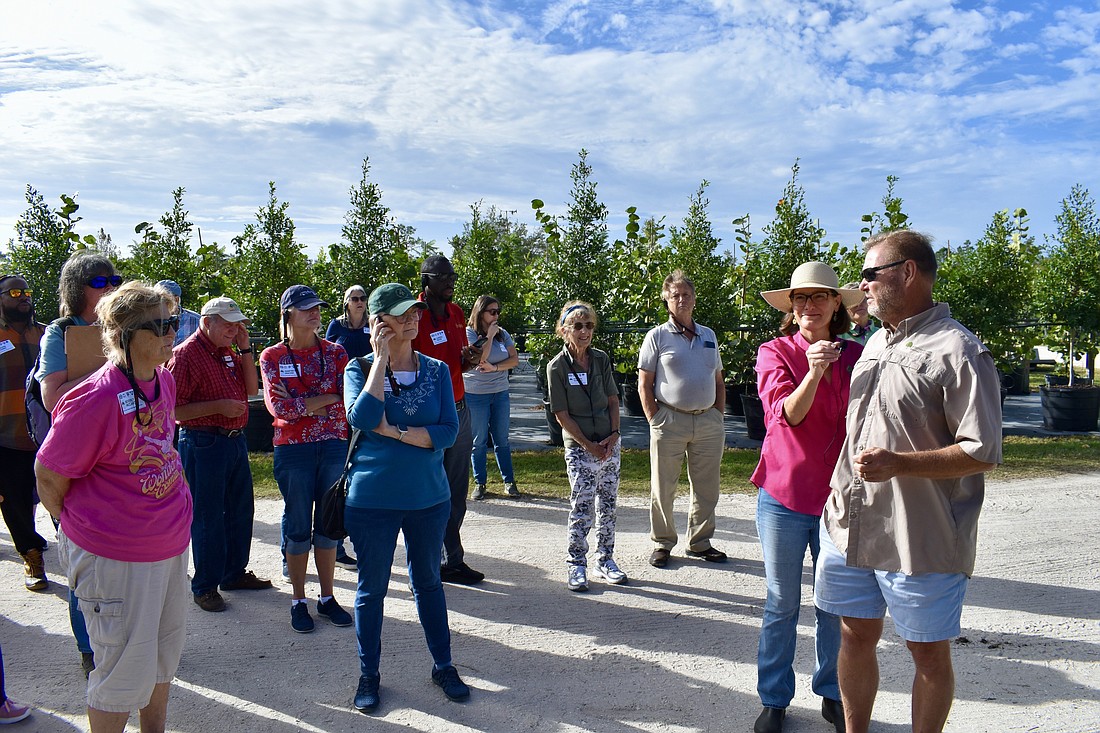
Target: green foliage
{"type": "Point", "coordinates": [696, 251]}
{"type": "Point", "coordinates": [166, 255]}
{"type": "Point", "coordinates": [989, 286]}
{"type": "Point", "coordinates": [44, 239]}
{"type": "Point", "coordinates": [1068, 287]}
{"type": "Point", "coordinates": [267, 260]}
{"type": "Point", "coordinates": [491, 257]}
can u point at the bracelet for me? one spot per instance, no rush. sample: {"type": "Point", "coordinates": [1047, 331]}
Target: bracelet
{"type": "Point", "coordinates": [616, 430]}
{"type": "Point", "coordinates": [245, 351]}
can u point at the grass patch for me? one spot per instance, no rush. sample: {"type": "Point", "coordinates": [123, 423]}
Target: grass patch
{"type": "Point", "coordinates": [543, 472]}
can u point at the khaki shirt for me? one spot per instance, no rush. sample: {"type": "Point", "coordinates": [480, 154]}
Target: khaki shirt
{"type": "Point", "coordinates": [928, 385]}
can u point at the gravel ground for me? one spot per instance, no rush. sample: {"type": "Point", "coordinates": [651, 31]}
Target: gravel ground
{"type": "Point", "coordinates": [672, 651]}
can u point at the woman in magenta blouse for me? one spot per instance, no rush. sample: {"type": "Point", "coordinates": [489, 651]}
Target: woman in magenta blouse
{"type": "Point", "coordinates": [803, 377]}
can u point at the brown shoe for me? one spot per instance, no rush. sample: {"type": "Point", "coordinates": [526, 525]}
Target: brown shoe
{"type": "Point", "coordinates": [248, 581]}
{"type": "Point", "coordinates": [659, 558]}
{"type": "Point", "coordinates": [34, 571]}
{"type": "Point", "coordinates": [210, 601]}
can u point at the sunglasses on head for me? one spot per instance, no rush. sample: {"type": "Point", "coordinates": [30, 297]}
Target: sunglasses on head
{"type": "Point", "coordinates": [101, 281]}
{"type": "Point", "coordinates": [870, 274]}
{"type": "Point", "coordinates": [357, 298]}
{"type": "Point", "coordinates": [18, 292]}
{"type": "Point", "coordinates": [161, 326]}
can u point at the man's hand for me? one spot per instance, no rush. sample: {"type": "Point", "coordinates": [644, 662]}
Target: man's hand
{"type": "Point", "coordinates": [232, 408]}
{"type": "Point", "coordinates": [240, 339]}
{"type": "Point", "coordinates": [878, 464]}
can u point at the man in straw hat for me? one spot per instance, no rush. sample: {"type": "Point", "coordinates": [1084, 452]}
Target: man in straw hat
{"type": "Point", "coordinates": [900, 525]}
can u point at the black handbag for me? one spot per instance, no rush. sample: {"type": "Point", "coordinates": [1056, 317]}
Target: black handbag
{"type": "Point", "coordinates": [336, 496]}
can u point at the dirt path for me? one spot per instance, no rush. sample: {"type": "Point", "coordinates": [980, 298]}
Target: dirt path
{"type": "Point", "coordinates": [673, 651]}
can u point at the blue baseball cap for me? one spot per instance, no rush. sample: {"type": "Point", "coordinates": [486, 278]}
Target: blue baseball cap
{"type": "Point", "coordinates": [301, 297]}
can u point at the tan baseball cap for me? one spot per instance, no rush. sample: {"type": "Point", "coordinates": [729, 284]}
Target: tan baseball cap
{"type": "Point", "coordinates": [226, 308]}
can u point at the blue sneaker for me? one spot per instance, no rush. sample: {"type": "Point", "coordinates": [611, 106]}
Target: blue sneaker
{"type": "Point", "coordinates": [300, 620]}
{"type": "Point", "coordinates": [366, 697]}
{"type": "Point", "coordinates": [453, 687]}
{"type": "Point", "coordinates": [331, 610]}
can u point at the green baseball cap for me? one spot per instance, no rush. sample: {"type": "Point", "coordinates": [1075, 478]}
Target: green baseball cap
{"type": "Point", "coordinates": [392, 299]}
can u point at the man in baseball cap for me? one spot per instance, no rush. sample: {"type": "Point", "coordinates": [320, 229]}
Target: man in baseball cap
{"type": "Point", "coordinates": [189, 319]}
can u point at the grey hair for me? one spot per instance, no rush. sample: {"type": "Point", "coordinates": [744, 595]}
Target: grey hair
{"type": "Point", "coordinates": [122, 311]}
{"type": "Point", "coordinates": [83, 265]}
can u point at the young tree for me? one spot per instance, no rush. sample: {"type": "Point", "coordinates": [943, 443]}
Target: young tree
{"type": "Point", "coordinates": [267, 261]}
{"type": "Point", "coordinates": [44, 239]}
{"type": "Point", "coordinates": [166, 255]}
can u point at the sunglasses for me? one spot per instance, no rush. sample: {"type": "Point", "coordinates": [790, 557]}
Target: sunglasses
{"type": "Point", "coordinates": [357, 298]}
{"type": "Point", "coordinates": [101, 281]}
{"type": "Point", "coordinates": [870, 274]}
{"type": "Point", "coordinates": [450, 278]}
{"type": "Point", "coordinates": [161, 326]}
{"type": "Point", "coordinates": [587, 325]}
{"type": "Point", "coordinates": [492, 311]}
{"type": "Point", "coordinates": [18, 292]}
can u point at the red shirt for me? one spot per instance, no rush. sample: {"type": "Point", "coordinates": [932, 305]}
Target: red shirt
{"type": "Point", "coordinates": [206, 372]}
{"type": "Point", "coordinates": [305, 373]}
{"type": "Point", "coordinates": [444, 339]}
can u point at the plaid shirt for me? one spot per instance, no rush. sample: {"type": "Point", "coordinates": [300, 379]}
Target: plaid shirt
{"type": "Point", "coordinates": [206, 372]}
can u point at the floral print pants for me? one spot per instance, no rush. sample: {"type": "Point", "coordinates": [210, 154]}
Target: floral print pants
{"type": "Point", "coordinates": [595, 485]}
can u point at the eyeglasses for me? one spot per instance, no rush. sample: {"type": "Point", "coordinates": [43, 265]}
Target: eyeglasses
{"type": "Point", "coordinates": [870, 274]}
{"type": "Point", "coordinates": [413, 314]}
{"type": "Point", "coordinates": [587, 325]}
{"type": "Point", "coordinates": [357, 298]}
{"type": "Point", "coordinates": [18, 292]}
{"type": "Point", "coordinates": [821, 297]}
{"type": "Point", "coordinates": [161, 326]}
{"type": "Point", "coordinates": [492, 311]}
{"type": "Point", "coordinates": [101, 281]}
{"type": "Point", "coordinates": [450, 278]}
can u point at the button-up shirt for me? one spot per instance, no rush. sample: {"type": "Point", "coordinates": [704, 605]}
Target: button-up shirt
{"type": "Point", "coordinates": [205, 372]}
{"type": "Point", "coordinates": [685, 369]}
{"type": "Point", "coordinates": [929, 384]}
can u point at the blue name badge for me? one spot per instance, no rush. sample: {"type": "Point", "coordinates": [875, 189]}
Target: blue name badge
{"type": "Point", "coordinates": [708, 345]}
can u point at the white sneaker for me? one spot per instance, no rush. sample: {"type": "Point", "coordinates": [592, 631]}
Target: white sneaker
{"type": "Point", "coordinates": [610, 572]}
{"type": "Point", "coordinates": [578, 578]}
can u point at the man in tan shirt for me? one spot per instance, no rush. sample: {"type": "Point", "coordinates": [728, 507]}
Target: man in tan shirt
{"type": "Point", "coordinates": [900, 526]}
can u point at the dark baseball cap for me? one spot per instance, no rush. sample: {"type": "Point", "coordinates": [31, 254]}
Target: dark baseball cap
{"type": "Point", "coordinates": [301, 297]}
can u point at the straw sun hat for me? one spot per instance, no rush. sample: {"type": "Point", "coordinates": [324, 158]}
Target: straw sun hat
{"type": "Point", "coordinates": [812, 275]}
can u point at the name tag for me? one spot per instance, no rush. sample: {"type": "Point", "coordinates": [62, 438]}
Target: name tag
{"type": "Point", "coordinates": [289, 370]}
{"type": "Point", "coordinates": [6, 346]}
{"type": "Point", "coordinates": [366, 329]}
{"type": "Point", "coordinates": [578, 379]}
{"type": "Point", "coordinates": [502, 346]}
{"type": "Point", "coordinates": [228, 359]}
{"type": "Point", "coordinates": [126, 402]}
{"type": "Point", "coordinates": [439, 337]}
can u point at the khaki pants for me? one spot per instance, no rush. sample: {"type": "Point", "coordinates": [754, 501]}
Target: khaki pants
{"type": "Point", "coordinates": [702, 438]}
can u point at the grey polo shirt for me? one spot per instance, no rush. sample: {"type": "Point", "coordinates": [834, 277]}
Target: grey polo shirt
{"type": "Point", "coordinates": [928, 385]}
{"type": "Point", "coordinates": [583, 394]}
{"type": "Point", "coordinates": [685, 369]}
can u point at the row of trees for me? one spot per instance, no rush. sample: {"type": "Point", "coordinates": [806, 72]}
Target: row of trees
{"type": "Point", "coordinates": [1013, 291]}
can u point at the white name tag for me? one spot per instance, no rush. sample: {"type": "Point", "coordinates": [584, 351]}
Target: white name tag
{"type": "Point", "coordinates": [366, 329]}
{"type": "Point", "coordinates": [439, 337]}
{"type": "Point", "coordinates": [228, 358]}
{"type": "Point", "coordinates": [289, 370]}
{"type": "Point", "coordinates": [578, 379]}
{"type": "Point", "coordinates": [126, 402]}
{"type": "Point", "coordinates": [6, 346]}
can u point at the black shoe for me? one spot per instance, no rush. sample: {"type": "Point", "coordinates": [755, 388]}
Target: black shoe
{"type": "Point", "coordinates": [461, 575]}
{"type": "Point", "coordinates": [770, 720]}
{"type": "Point", "coordinates": [347, 562]}
{"type": "Point", "coordinates": [366, 696]}
{"type": "Point", "coordinates": [248, 581]}
{"type": "Point", "coordinates": [659, 558]}
{"type": "Point", "coordinates": [211, 601]}
{"type": "Point", "coordinates": [833, 712]}
{"type": "Point", "coordinates": [710, 555]}
{"type": "Point", "coordinates": [453, 687]}
{"type": "Point", "coordinates": [87, 663]}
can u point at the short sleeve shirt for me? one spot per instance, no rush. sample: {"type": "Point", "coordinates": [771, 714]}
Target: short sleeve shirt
{"type": "Point", "coordinates": [685, 369]}
{"type": "Point", "coordinates": [205, 372]}
{"type": "Point", "coordinates": [929, 384]}
{"type": "Point", "coordinates": [583, 394]}
{"type": "Point", "coordinates": [497, 351]}
{"type": "Point", "coordinates": [444, 339]}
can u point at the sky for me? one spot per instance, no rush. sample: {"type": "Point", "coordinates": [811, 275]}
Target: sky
{"type": "Point", "coordinates": [974, 106]}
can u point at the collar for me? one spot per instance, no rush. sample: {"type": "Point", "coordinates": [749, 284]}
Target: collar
{"type": "Point", "coordinates": [912, 324]}
{"type": "Point", "coordinates": [209, 346]}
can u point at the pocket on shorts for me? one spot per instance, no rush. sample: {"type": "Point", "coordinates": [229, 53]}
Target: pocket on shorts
{"type": "Point", "coordinates": [104, 618]}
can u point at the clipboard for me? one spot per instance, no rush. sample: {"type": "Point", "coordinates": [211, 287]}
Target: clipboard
{"type": "Point", "coordinates": [83, 350]}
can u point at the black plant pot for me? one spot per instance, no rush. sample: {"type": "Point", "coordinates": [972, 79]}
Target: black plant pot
{"type": "Point", "coordinates": [1017, 381]}
{"type": "Point", "coordinates": [259, 432]}
{"type": "Point", "coordinates": [632, 400]}
{"type": "Point", "coordinates": [552, 425]}
{"type": "Point", "coordinates": [733, 399]}
{"type": "Point", "coordinates": [1075, 409]}
{"type": "Point", "coordinates": [754, 416]}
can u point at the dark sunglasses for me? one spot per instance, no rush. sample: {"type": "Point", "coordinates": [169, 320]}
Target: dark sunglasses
{"type": "Point", "coordinates": [492, 311]}
{"type": "Point", "coordinates": [101, 281]}
{"type": "Point", "coordinates": [357, 298]}
{"type": "Point", "coordinates": [870, 274]}
{"type": "Point", "coordinates": [161, 326]}
{"type": "Point", "coordinates": [451, 278]}
{"type": "Point", "coordinates": [18, 292]}
{"type": "Point", "coordinates": [578, 326]}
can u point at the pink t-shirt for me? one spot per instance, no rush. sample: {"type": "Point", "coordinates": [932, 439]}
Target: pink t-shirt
{"type": "Point", "coordinates": [128, 500]}
{"type": "Point", "coordinates": [796, 461]}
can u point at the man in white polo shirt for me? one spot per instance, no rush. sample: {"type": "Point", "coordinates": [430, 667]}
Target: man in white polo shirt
{"type": "Point", "coordinates": [683, 395]}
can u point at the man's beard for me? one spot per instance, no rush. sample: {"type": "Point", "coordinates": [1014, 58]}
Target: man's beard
{"type": "Point", "coordinates": [14, 315]}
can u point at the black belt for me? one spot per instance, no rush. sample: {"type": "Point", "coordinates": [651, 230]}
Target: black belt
{"type": "Point", "coordinates": [216, 430]}
{"type": "Point", "coordinates": [460, 405]}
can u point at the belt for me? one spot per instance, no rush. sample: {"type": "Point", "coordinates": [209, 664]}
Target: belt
{"type": "Point", "coordinates": [460, 405]}
{"type": "Point", "coordinates": [216, 430]}
{"type": "Point", "coordinates": [684, 412]}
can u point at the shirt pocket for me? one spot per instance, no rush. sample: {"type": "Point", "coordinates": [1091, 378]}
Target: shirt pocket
{"type": "Point", "coordinates": [907, 391]}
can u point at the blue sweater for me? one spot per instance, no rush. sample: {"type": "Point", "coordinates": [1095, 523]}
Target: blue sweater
{"type": "Point", "coordinates": [356, 341]}
{"type": "Point", "coordinates": [386, 473]}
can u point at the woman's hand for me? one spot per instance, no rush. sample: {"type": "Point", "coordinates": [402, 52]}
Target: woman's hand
{"type": "Point", "coordinates": [608, 445]}
{"type": "Point", "coordinates": [821, 354]}
{"type": "Point", "coordinates": [384, 427]}
{"type": "Point", "coordinates": [279, 390]}
{"type": "Point", "coordinates": [486, 367]}
{"type": "Point", "coordinates": [381, 335]}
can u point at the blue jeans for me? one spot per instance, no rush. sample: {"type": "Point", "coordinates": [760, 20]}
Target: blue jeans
{"type": "Point", "coordinates": [216, 468]}
{"type": "Point", "coordinates": [489, 416]}
{"type": "Point", "coordinates": [304, 472]}
{"type": "Point", "coordinates": [374, 534]}
{"type": "Point", "coordinates": [784, 536]}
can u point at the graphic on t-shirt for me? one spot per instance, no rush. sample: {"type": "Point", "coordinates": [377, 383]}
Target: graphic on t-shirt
{"type": "Point", "coordinates": [151, 454]}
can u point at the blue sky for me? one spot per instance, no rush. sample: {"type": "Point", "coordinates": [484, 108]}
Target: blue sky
{"type": "Point", "coordinates": [975, 106]}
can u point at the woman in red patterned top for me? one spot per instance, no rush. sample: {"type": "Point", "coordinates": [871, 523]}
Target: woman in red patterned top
{"type": "Point", "coordinates": [303, 389]}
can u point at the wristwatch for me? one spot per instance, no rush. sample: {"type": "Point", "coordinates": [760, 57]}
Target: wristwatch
{"type": "Point", "coordinates": [401, 430]}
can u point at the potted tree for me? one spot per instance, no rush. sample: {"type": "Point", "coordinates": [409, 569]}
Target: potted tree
{"type": "Point", "coordinates": [1068, 294]}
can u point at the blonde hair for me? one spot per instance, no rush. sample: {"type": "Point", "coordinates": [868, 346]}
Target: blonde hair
{"type": "Point", "coordinates": [122, 311]}
{"type": "Point", "coordinates": [572, 307]}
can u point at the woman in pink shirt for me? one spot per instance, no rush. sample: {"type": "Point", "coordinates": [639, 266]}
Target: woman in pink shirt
{"type": "Point", "coordinates": [803, 377]}
{"type": "Point", "coordinates": [109, 471]}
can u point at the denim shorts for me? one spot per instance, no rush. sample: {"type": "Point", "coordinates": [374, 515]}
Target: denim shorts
{"type": "Point", "coordinates": [926, 607]}
{"type": "Point", "coordinates": [304, 471]}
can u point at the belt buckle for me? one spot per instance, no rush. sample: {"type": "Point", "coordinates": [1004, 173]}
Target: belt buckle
{"type": "Point", "coordinates": [233, 433]}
